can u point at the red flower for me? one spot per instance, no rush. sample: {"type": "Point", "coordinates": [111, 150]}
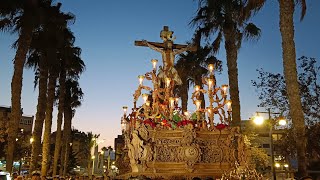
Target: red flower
{"type": "Point", "coordinates": [179, 124]}
{"type": "Point", "coordinates": [184, 122]}
{"type": "Point", "coordinates": [148, 121]}
{"type": "Point", "coordinates": [221, 126]}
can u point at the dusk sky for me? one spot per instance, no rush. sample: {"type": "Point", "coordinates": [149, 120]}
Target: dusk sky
{"type": "Point", "coordinates": [106, 31]}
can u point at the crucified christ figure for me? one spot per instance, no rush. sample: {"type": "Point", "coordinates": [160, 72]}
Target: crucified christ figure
{"type": "Point", "coordinates": [168, 51]}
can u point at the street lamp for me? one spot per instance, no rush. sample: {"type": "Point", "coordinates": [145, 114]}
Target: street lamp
{"type": "Point", "coordinates": [282, 121]}
{"type": "Point", "coordinates": [258, 120]}
{"type": "Point", "coordinates": [93, 157]}
{"type": "Point", "coordinates": [99, 159]}
{"type": "Point", "coordinates": [31, 140]}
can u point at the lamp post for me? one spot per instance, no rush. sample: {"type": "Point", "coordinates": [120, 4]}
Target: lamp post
{"type": "Point", "coordinates": [259, 120]}
{"type": "Point", "coordinates": [93, 157]}
{"type": "Point", "coordinates": [29, 154]}
{"type": "Point", "coordinates": [109, 153]}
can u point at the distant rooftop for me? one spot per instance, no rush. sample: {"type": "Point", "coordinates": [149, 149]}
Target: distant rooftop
{"type": "Point", "coordinates": [8, 109]}
{"type": "Point", "coordinates": [5, 108]}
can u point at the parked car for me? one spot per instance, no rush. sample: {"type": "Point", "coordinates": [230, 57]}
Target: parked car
{"type": "Point", "coordinates": [5, 175]}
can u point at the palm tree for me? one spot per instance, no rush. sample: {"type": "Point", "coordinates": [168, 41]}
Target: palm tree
{"type": "Point", "coordinates": [21, 17]}
{"type": "Point", "coordinates": [50, 101]}
{"type": "Point", "coordinates": [73, 100]}
{"type": "Point", "coordinates": [67, 67]}
{"type": "Point", "coordinates": [48, 120]}
{"type": "Point", "coordinates": [61, 37]}
{"type": "Point", "coordinates": [71, 65]}
{"type": "Point", "coordinates": [191, 67]}
{"type": "Point", "coordinates": [38, 62]}
{"type": "Point", "coordinates": [43, 55]}
{"type": "Point", "coordinates": [290, 74]}
{"type": "Point", "coordinates": [228, 20]}
{"type": "Point", "coordinates": [183, 66]}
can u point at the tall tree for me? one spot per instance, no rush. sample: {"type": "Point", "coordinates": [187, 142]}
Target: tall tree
{"type": "Point", "coordinates": [192, 66]}
{"type": "Point", "coordinates": [37, 60]}
{"type": "Point", "coordinates": [73, 100]}
{"type": "Point", "coordinates": [228, 20]}
{"type": "Point", "coordinates": [183, 66]}
{"type": "Point", "coordinates": [60, 38]}
{"type": "Point", "coordinates": [48, 121]}
{"type": "Point", "coordinates": [72, 66]}
{"type": "Point", "coordinates": [20, 17]}
{"type": "Point", "coordinates": [45, 44]}
{"type": "Point", "coordinates": [273, 94]}
{"type": "Point", "coordinates": [271, 88]}
{"type": "Point", "coordinates": [290, 74]}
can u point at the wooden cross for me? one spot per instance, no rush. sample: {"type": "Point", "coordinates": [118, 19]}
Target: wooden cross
{"type": "Point", "coordinates": [167, 49]}
{"type": "Point", "coordinates": [164, 32]}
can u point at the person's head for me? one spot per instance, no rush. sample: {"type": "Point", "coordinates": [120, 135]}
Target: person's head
{"type": "Point", "coordinates": [35, 176]}
{"type": "Point", "coordinates": [306, 178]}
{"type": "Point", "coordinates": [14, 175]}
{"type": "Point", "coordinates": [20, 178]}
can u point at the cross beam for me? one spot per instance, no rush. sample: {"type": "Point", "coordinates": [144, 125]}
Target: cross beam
{"type": "Point", "coordinates": [161, 45]}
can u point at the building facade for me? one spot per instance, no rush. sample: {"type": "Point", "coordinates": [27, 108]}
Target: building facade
{"type": "Point", "coordinates": [25, 124]}
{"type": "Point", "coordinates": [23, 147]}
{"type": "Point", "coordinates": [268, 138]}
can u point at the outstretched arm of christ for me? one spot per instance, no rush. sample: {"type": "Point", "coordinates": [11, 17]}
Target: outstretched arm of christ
{"type": "Point", "coordinates": [179, 51]}
{"type": "Point", "coordinates": [152, 46]}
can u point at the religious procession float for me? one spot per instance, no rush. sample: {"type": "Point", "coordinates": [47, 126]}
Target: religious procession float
{"type": "Point", "coordinates": [163, 142]}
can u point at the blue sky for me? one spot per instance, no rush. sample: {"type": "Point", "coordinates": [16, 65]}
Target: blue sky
{"type": "Point", "coordinates": [106, 31]}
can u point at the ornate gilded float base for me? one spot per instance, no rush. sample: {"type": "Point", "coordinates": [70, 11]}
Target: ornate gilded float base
{"type": "Point", "coordinates": [182, 153]}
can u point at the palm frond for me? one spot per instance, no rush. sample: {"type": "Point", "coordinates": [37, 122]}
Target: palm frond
{"type": "Point", "coordinates": [251, 32]}
{"type": "Point", "coordinates": [216, 43]}
{"type": "Point", "coordinates": [5, 24]}
{"type": "Point", "coordinates": [303, 6]}
{"type": "Point", "coordinates": [251, 8]}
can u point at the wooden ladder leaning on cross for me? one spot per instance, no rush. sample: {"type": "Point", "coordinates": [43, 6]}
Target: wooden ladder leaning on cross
{"type": "Point", "coordinates": [168, 51]}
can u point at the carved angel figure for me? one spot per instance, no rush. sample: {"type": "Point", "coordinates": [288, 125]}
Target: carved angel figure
{"type": "Point", "coordinates": [137, 144]}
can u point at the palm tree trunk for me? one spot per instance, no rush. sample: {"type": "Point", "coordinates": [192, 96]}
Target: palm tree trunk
{"type": "Point", "coordinates": [63, 148]}
{"type": "Point", "coordinates": [62, 82]}
{"type": "Point", "coordinates": [16, 88]}
{"type": "Point", "coordinates": [67, 137]}
{"type": "Point", "coordinates": [232, 56]}
{"type": "Point", "coordinates": [184, 95]}
{"type": "Point", "coordinates": [40, 115]}
{"type": "Point", "coordinates": [292, 85]}
{"type": "Point", "coordinates": [48, 124]}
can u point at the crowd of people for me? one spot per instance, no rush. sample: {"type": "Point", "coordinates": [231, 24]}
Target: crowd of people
{"type": "Point", "coordinates": [37, 176]}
